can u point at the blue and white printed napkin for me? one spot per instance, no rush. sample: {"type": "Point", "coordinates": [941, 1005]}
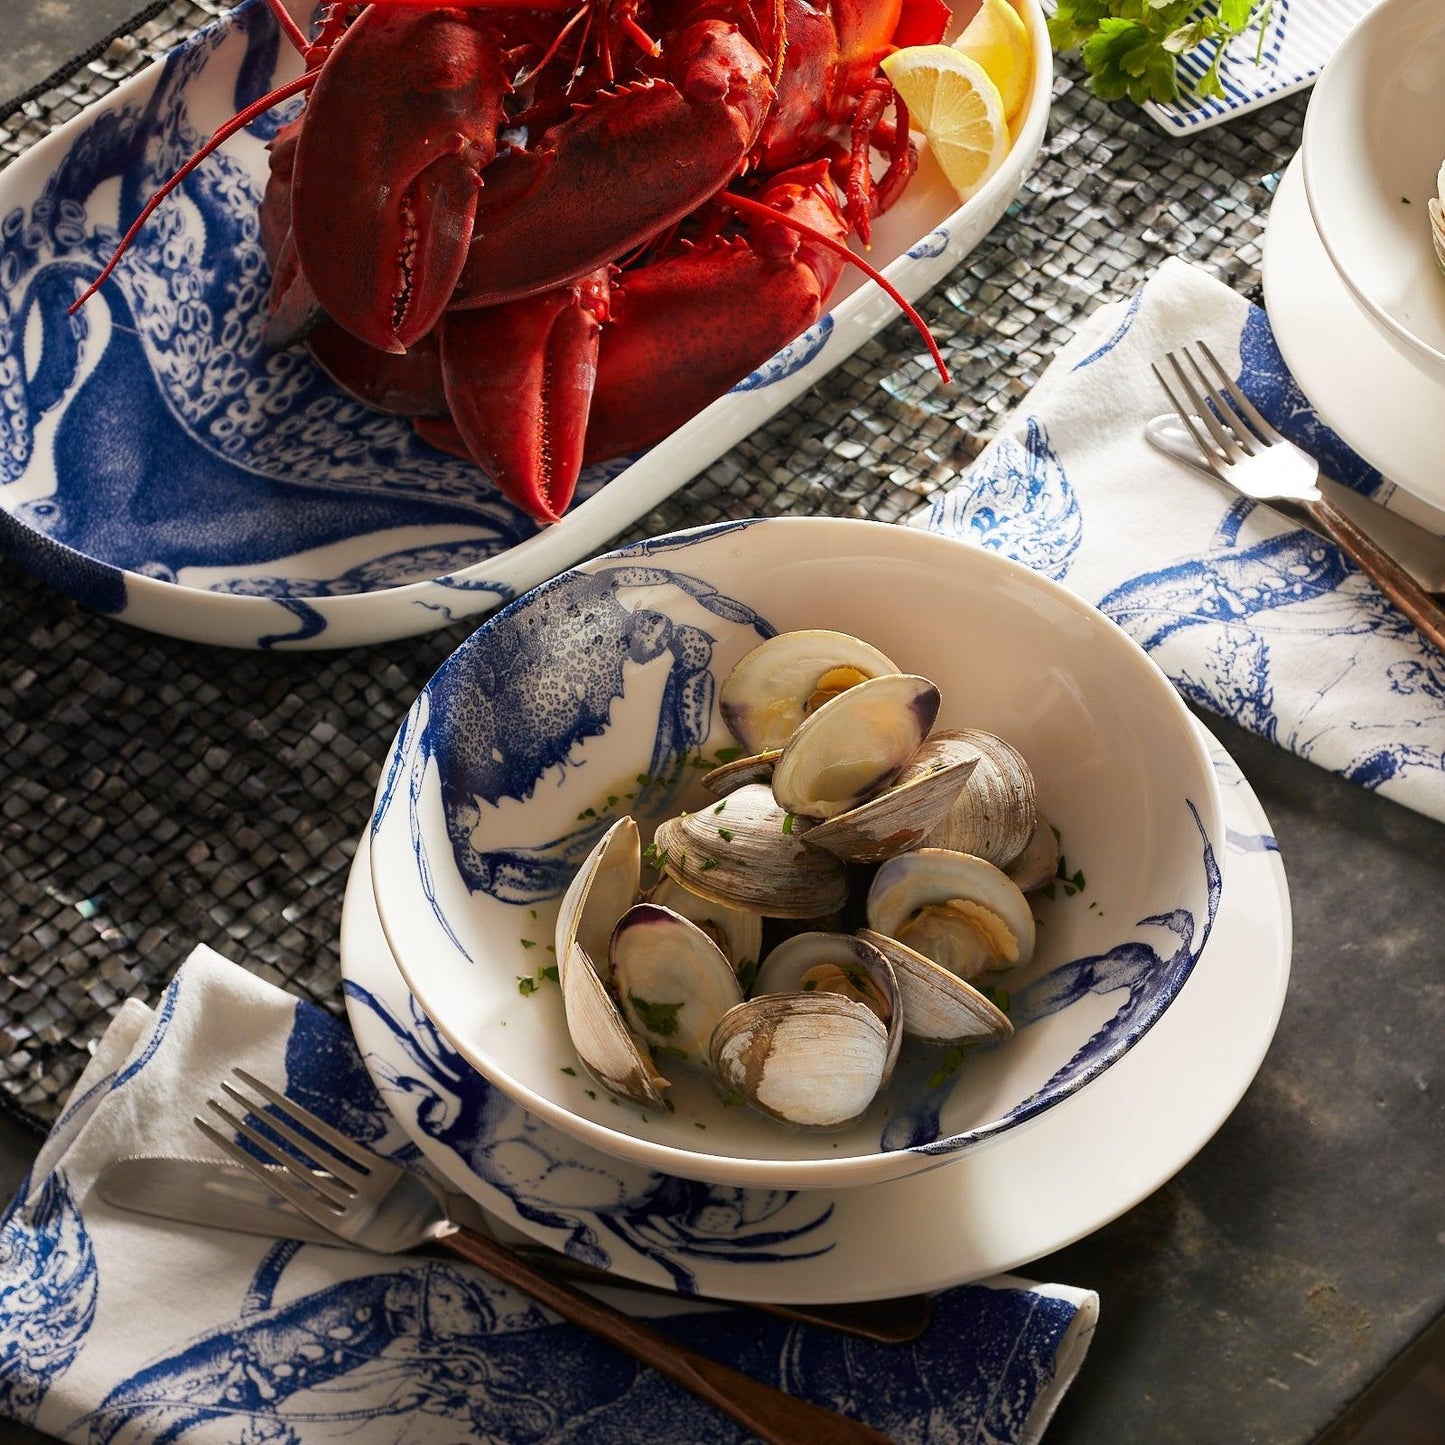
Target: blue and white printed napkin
{"type": "Point", "coordinates": [1251, 617]}
{"type": "Point", "coordinates": [120, 1327]}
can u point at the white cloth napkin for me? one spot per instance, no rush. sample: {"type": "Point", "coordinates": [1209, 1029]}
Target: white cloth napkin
{"type": "Point", "coordinates": [1252, 618]}
{"type": "Point", "coordinates": [117, 1327]}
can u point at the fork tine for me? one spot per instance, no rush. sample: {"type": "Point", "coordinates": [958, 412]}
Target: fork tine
{"type": "Point", "coordinates": [348, 1151]}
{"type": "Point", "coordinates": [1221, 417]}
{"type": "Point", "coordinates": [305, 1198]}
{"type": "Point", "coordinates": [334, 1191]}
{"type": "Point", "coordinates": [1225, 441]}
{"type": "Point", "coordinates": [1240, 401]}
{"type": "Point", "coordinates": [342, 1168]}
{"type": "Point", "coordinates": [344, 1188]}
{"type": "Point", "coordinates": [1185, 411]}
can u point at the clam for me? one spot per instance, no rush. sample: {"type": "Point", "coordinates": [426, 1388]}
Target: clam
{"type": "Point", "coordinates": [738, 933]}
{"type": "Point", "coordinates": [602, 890]}
{"type": "Point", "coordinates": [897, 819]}
{"type": "Point", "coordinates": [755, 768]}
{"type": "Point", "coordinates": [993, 815]}
{"type": "Point", "coordinates": [673, 982]}
{"type": "Point", "coordinates": [959, 911]}
{"type": "Point", "coordinates": [746, 852]}
{"type": "Point", "coordinates": [607, 1050]}
{"type": "Point", "coordinates": [817, 1053]}
{"type": "Point", "coordinates": [783, 680]}
{"type": "Point", "coordinates": [854, 745]}
{"type": "Point", "coordinates": [938, 1006]}
{"type": "Point", "coordinates": [1039, 862]}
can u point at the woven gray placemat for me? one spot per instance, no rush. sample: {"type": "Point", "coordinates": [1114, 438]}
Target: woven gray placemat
{"type": "Point", "coordinates": [155, 794]}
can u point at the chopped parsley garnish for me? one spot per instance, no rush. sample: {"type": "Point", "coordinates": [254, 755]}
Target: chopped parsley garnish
{"type": "Point", "coordinates": [727, 755]}
{"type": "Point", "coordinates": [951, 1060]}
{"type": "Point", "coordinates": [657, 1018]}
{"type": "Point", "coordinates": [569, 1070]}
{"type": "Point", "coordinates": [528, 942]}
{"type": "Point", "coordinates": [526, 985]}
{"type": "Point", "coordinates": [550, 972]}
{"type": "Point", "coordinates": [706, 865]}
{"type": "Point", "coordinates": [726, 834]}
{"type": "Point", "coordinates": [787, 823]}
{"type": "Point", "coordinates": [721, 806]}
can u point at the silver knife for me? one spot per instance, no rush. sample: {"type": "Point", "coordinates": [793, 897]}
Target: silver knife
{"type": "Point", "coordinates": [1417, 549]}
{"type": "Point", "coordinates": [203, 1191]}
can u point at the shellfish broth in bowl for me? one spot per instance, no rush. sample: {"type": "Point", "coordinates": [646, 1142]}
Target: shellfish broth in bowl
{"type": "Point", "coordinates": [562, 749]}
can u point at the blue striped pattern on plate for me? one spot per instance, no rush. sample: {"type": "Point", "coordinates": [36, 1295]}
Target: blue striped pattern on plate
{"type": "Point", "coordinates": [1298, 37]}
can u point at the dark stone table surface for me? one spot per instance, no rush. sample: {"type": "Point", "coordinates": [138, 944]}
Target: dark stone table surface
{"type": "Point", "coordinates": [1276, 1288]}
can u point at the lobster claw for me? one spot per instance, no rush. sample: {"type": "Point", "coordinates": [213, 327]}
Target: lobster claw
{"type": "Point", "coordinates": [620, 170]}
{"type": "Point", "coordinates": [519, 380]}
{"type": "Point", "coordinates": [413, 98]}
{"type": "Point", "coordinates": [688, 327]}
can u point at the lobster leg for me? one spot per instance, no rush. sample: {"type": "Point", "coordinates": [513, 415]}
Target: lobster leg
{"type": "Point", "coordinates": [401, 120]}
{"type": "Point", "coordinates": [519, 380]}
{"type": "Point", "coordinates": [615, 173]}
{"type": "Point", "coordinates": [689, 326]}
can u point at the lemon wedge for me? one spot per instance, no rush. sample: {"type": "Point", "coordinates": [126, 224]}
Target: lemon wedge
{"type": "Point", "coordinates": [998, 39]}
{"type": "Point", "coordinates": [951, 99]}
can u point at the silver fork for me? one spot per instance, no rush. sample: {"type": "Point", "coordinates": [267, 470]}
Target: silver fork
{"type": "Point", "coordinates": [1245, 452]}
{"type": "Point", "coordinates": [372, 1203]}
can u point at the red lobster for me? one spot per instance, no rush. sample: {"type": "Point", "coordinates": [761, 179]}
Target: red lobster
{"type": "Point", "coordinates": [552, 238]}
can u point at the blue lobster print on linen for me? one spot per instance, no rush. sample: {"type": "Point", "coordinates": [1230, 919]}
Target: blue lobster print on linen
{"type": "Point", "coordinates": [48, 1288]}
{"type": "Point", "coordinates": [1018, 501]}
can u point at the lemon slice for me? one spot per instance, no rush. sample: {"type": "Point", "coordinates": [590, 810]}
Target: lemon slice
{"type": "Point", "coordinates": [953, 102]}
{"type": "Point", "coordinates": [997, 38]}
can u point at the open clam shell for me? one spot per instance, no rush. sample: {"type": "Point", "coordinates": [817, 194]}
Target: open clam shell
{"type": "Point", "coordinates": [751, 856]}
{"type": "Point", "coordinates": [728, 777]}
{"type": "Point", "coordinates": [993, 816]}
{"type": "Point", "coordinates": [673, 982]}
{"type": "Point", "coordinates": [599, 1034]}
{"type": "Point", "coordinates": [737, 932]}
{"type": "Point", "coordinates": [841, 963]}
{"type": "Point", "coordinates": [855, 745]}
{"type": "Point", "coordinates": [601, 891]}
{"type": "Point", "coordinates": [781, 681]}
{"type": "Point", "coordinates": [962, 912]}
{"type": "Point", "coordinates": [1039, 862]}
{"type": "Point", "coordinates": [897, 819]}
{"type": "Point", "coordinates": [938, 1006]}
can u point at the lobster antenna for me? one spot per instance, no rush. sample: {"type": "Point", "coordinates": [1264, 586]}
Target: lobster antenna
{"type": "Point", "coordinates": [223, 133]}
{"type": "Point", "coordinates": [757, 208]}
{"type": "Point", "coordinates": [289, 27]}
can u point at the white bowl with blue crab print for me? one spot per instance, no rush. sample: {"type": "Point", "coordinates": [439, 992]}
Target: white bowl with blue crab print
{"type": "Point", "coordinates": [596, 698]}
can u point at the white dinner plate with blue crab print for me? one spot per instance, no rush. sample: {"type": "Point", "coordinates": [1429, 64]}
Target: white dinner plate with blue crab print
{"type": "Point", "coordinates": [1071, 1172]}
{"type": "Point", "coordinates": [159, 464]}
{"type": "Point", "coordinates": [1282, 52]}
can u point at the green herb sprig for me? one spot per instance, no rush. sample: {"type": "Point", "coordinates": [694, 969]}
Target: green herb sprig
{"type": "Point", "coordinates": [1131, 48]}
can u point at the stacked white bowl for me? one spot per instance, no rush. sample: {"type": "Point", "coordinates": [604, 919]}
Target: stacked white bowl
{"type": "Point", "coordinates": [1374, 143]}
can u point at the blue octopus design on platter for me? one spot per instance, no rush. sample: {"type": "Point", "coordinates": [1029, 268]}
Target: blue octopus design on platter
{"type": "Point", "coordinates": [164, 375]}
